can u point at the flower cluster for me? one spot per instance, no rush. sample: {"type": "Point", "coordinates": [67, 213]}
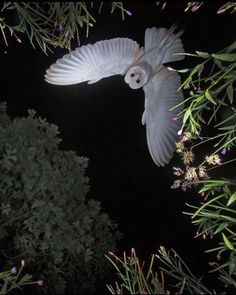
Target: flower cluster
{"type": "Point", "coordinates": [191, 174]}
{"type": "Point", "coordinates": [27, 280]}
{"type": "Point", "coordinates": [188, 157]}
{"type": "Point", "coordinates": [213, 160]}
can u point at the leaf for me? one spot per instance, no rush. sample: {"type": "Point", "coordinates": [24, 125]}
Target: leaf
{"type": "Point", "coordinates": [230, 75]}
{"type": "Point", "coordinates": [225, 56]}
{"type": "Point", "coordinates": [203, 54]}
{"type": "Point", "coordinates": [219, 63]}
{"type": "Point", "coordinates": [221, 227]}
{"type": "Point", "coordinates": [228, 243]}
{"type": "Point", "coordinates": [199, 98]}
{"type": "Point", "coordinates": [232, 199]}
{"type": "Point", "coordinates": [198, 68]}
{"type": "Point", "coordinates": [232, 266]}
{"type": "Point", "coordinates": [25, 279]}
{"type": "Point", "coordinates": [204, 189]}
{"type": "Point", "coordinates": [185, 53]}
{"type": "Point", "coordinates": [226, 189]}
{"type": "Point", "coordinates": [209, 97]}
{"type": "Point", "coordinates": [231, 47]}
{"type": "Point", "coordinates": [183, 71]}
{"type": "Point", "coordinates": [208, 187]}
{"type": "Point", "coordinates": [4, 288]}
{"type": "Point", "coordinates": [227, 128]}
{"type": "Point", "coordinates": [186, 116]}
{"type": "Point", "coordinates": [230, 93]}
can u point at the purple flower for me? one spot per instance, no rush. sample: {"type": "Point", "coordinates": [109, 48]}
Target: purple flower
{"type": "Point", "coordinates": [40, 282]}
{"type": "Point", "coordinates": [223, 152]}
{"type": "Point", "coordinates": [13, 270]}
{"type": "Point", "coordinates": [59, 26]}
{"type": "Point", "coordinates": [129, 13]}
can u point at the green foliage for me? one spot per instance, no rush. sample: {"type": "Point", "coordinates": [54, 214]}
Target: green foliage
{"type": "Point", "coordinates": [137, 278]}
{"type": "Point", "coordinates": [57, 24]}
{"type": "Point", "coordinates": [210, 108]}
{"type": "Point", "coordinates": [50, 24]}
{"type": "Point", "coordinates": [44, 214]}
{"type": "Point", "coordinates": [212, 92]}
{"type": "Point", "coordinates": [13, 279]}
{"type": "Point", "coordinates": [134, 279]}
{"type": "Point", "coordinates": [216, 217]}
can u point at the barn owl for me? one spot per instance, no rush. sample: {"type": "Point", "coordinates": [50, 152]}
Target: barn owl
{"type": "Point", "coordinates": [141, 67]}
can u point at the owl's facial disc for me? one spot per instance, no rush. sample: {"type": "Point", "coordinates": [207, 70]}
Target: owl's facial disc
{"type": "Point", "coordinates": [137, 76]}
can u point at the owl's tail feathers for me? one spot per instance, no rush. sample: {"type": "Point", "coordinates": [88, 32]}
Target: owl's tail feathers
{"type": "Point", "coordinates": [164, 44]}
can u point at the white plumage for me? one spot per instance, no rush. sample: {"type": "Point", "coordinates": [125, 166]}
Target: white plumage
{"type": "Point", "coordinates": [142, 67]}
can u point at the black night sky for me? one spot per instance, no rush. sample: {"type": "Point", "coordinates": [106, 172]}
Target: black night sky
{"type": "Point", "coordinates": [102, 122]}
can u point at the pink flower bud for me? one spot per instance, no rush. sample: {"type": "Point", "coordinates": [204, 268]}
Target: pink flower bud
{"type": "Point", "coordinates": [171, 69]}
{"type": "Point", "coordinates": [133, 252]}
{"type": "Point", "coordinates": [18, 40]}
{"type": "Point", "coordinates": [14, 270]}
{"type": "Point", "coordinates": [180, 132]}
{"type": "Point", "coordinates": [219, 11]}
{"type": "Point", "coordinates": [40, 283]}
{"type": "Point", "coordinates": [223, 152]}
{"type": "Point", "coordinates": [163, 6]}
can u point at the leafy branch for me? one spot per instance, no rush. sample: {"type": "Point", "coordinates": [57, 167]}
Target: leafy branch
{"type": "Point", "coordinates": [137, 278]}
{"type": "Point", "coordinates": [211, 104]}
{"type": "Point", "coordinates": [50, 24]}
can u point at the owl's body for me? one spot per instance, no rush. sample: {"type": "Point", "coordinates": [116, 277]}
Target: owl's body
{"type": "Point", "coordinates": [142, 67]}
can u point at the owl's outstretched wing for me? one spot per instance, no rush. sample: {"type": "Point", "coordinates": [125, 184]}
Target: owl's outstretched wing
{"type": "Point", "coordinates": [162, 125]}
{"type": "Point", "coordinates": [94, 62]}
{"type": "Point", "coordinates": [161, 45]}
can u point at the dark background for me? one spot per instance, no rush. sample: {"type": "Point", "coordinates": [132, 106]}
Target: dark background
{"type": "Point", "coordinates": [102, 121]}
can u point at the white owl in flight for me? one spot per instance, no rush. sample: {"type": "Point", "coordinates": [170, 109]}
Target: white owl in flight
{"type": "Point", "coordinates": [142, 67]}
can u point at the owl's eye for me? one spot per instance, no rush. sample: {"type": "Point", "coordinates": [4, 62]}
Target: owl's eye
{"type": "Point", "coordinates": [132, 75]}
{"type": "Point", "coordinates": [138, 81]}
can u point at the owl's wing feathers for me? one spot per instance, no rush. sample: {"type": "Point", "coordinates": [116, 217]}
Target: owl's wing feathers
{"type": "Point", "coordinates": [160, 45]}
{"type": "Point", "coordinates": [94, 62]}
{"type": "Point", "coordinates": [161, 124]}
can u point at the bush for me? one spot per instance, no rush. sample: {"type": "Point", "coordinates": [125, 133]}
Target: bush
{"type": "Point", "coordinates": [44, 214]}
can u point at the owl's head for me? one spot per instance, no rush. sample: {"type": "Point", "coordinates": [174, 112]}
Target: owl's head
{"type": "Point", "coordinates": [138, 75]}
